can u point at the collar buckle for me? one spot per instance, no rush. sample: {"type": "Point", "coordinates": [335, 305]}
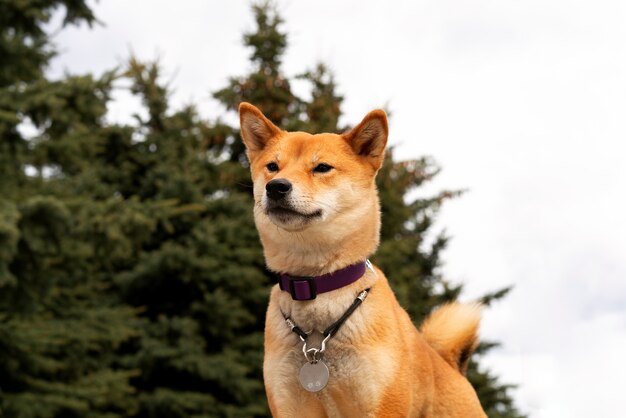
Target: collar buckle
{"type": "Point", "coordinates": [301, 287]}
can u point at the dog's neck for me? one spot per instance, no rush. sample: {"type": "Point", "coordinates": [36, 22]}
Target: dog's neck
{"type": "Point", "coordinates": [319, 249]}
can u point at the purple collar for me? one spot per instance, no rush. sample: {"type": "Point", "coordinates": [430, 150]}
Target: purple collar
{"type": "Point", "coordinates": [308, 287]}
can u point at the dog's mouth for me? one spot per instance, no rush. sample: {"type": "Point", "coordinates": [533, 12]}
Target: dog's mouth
{"type": "Point", "coordinates": [286, 213]}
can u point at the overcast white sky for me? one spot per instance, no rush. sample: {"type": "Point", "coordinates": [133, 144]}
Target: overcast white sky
{"type": "Point", "coordinates": [521, 102]}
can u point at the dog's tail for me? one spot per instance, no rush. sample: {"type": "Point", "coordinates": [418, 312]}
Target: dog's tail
{"type": "Point", "coordinates": [452, 330]}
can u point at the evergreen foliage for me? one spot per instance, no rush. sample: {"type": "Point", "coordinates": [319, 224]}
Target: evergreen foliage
{"type": "Point", "coordinates": [132, 281]}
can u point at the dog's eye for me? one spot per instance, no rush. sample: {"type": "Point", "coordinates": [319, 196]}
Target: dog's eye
{"type": "Point", "coordinates": [322, 168]}
{"type": "Point", "coordinates": [272, 167]}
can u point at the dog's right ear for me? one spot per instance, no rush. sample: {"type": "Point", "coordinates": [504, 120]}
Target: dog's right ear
{"type": "Point", "coordinates": [256, 129]}
{"type": "Point", "coordinates": [369, 138]}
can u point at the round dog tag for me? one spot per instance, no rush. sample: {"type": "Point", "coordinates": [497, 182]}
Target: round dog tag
{"type": "Point", "coordinates": [314, 376]}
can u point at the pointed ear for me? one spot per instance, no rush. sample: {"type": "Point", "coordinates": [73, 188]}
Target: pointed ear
{"type": "Point", "coordinates": [256, 129]}
{"type": "Point", "coordinates": [369, 138]}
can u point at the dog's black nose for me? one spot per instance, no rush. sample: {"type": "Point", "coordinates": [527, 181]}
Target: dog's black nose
{"type": "Point", "coordinates": [278, 188]}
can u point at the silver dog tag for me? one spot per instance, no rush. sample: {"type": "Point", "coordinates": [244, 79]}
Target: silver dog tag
{"type": "Point", "coordinates": [314, 376]}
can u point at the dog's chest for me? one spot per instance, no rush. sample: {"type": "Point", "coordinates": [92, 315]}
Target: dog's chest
{"type": "Point", "coordinates": [356, 370]}
{"type": "Point", "coordinates": [352, 385]}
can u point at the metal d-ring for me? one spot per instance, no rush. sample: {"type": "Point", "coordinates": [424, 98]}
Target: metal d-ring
{"type": "Point", "coordinates": [313, 355]}
{"type": "Point", "coordinates": [313, 352]}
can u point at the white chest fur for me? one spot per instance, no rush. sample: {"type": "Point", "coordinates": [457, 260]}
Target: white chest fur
{"type": "Point", "coordinates": [356, 370]}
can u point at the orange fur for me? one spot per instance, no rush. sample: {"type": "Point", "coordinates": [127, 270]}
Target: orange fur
{"type": "Point", "coordinates": [452, 331]}
{"type": "Point", "coordinates": [380, 365]}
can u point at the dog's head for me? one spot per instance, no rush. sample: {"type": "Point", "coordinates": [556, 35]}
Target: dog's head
{"type": "Point", "coordinates": [321, 183]}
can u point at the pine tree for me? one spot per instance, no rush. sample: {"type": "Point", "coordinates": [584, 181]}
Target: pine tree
{"type": "Point", "coordinates": [120, 253]}
{"type": "Point", "coordinates": [199, 279]}
{"type": "Point", "coordinates": [59, 322]}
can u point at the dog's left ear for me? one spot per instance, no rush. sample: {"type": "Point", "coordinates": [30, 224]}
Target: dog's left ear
{"type": "Point", "coordinates": [369, 138]}
{"type": "Point", "coordinates": [256, 129]}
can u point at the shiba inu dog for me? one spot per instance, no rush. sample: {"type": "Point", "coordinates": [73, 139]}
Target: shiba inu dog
{"type": "Point", "coordinates": [337, 343]}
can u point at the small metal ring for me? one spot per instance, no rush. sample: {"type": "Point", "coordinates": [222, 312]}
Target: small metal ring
{"type": "Point", "coordinates": [314, 352]}
{"type": "Point", "coordinates": [310, 351]}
